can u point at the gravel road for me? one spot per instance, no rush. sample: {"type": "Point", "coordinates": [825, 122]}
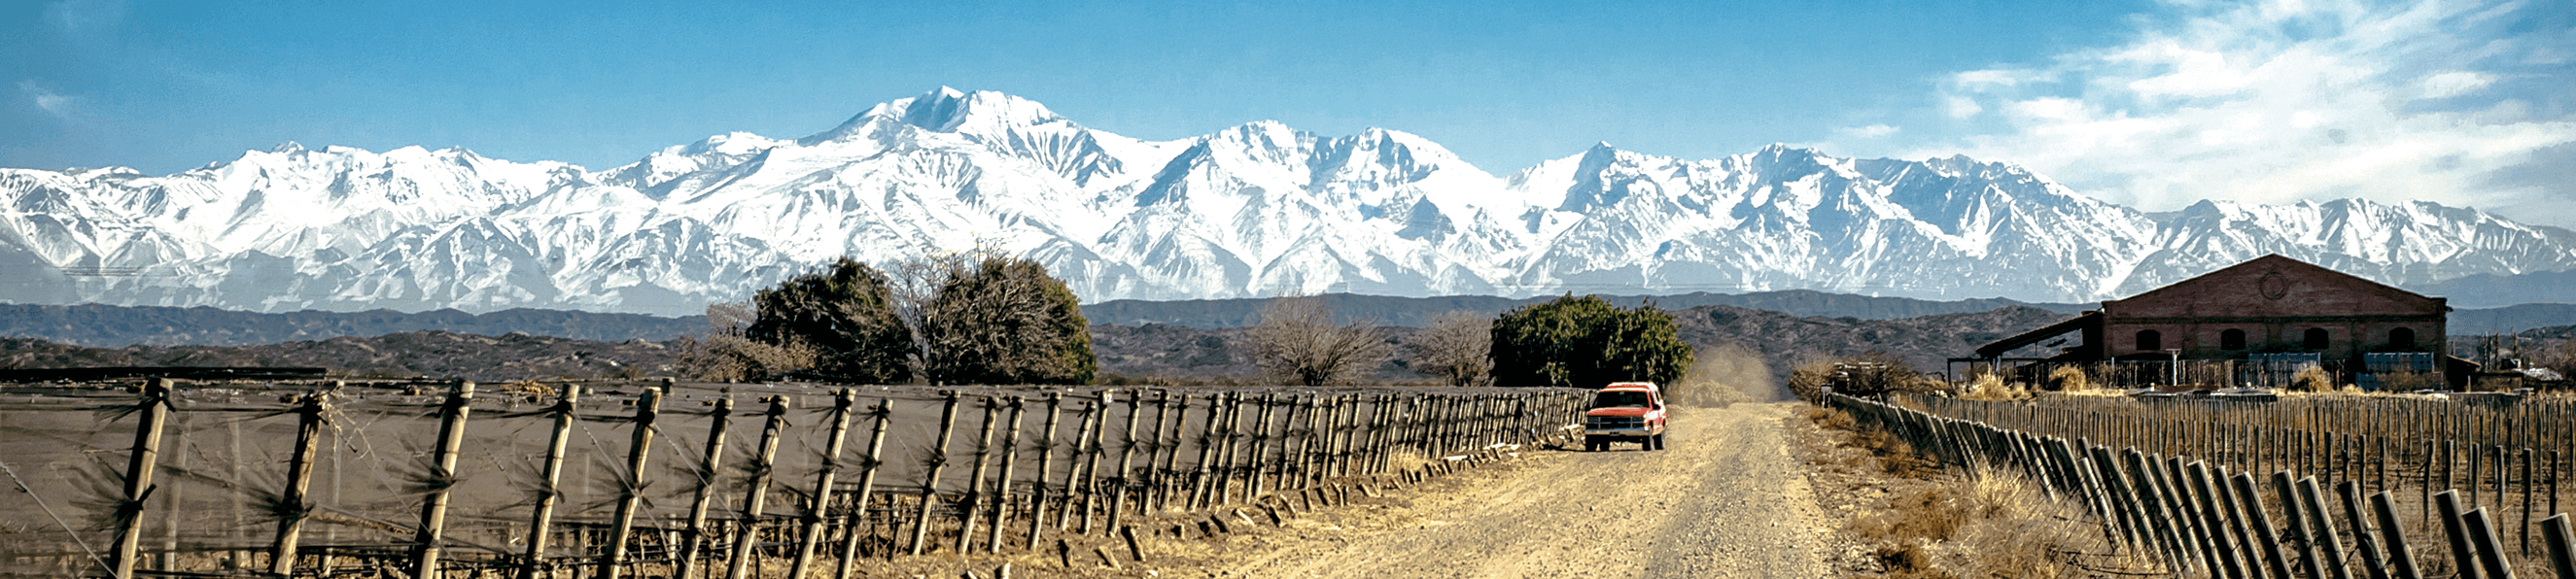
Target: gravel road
{"type": "Point", "coordinates": [1727, 500]}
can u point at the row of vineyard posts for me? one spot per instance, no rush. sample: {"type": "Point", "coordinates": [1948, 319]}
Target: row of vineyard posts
{"type": "Point", "coordinates": [2175, 482]}
{"type": "Point", "coordinates": [1279, 454]}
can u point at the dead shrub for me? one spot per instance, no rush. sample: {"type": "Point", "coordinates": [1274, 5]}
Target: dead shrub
{"type": "Point", "coordinates": [734, 358]}
{"type": "Point", "coordinates": [2312, 379]}
{"type": "Point", "coordinates": [2070, 379]}
{"type": "Point", "coordinates": [1989, 387]}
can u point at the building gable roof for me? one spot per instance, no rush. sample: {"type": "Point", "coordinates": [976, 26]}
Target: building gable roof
{"type": "Point", "coordinates": [2273, 285]}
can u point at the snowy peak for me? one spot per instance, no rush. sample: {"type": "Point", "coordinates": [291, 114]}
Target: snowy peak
{"type": "Point", "coordinates": [1257, 209]}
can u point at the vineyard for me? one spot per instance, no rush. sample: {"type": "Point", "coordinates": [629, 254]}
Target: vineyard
{"type": "Point", "coordinates": [2359, 486]}
{"type": "Point", "coordinates": [608, 479]}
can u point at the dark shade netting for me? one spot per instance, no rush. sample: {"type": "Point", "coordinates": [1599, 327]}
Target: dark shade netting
{"type": "Point", "coordinates": [226, 449]}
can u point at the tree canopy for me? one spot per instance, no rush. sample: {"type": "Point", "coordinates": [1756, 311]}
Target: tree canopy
{"type": "Point", "coordinates": [1586, 342]}
{"type": "Point", "coordinates": [841, 311]}
{"type": "Point", "coordinates": [1004, 320]}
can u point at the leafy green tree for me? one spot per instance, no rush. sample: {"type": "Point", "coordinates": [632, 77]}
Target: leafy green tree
{"type": "Point", "coordinates": [1586, 342]}
{"type": "Point", "coordinates": [843, 313]}
{"type": "Point", "coordinates": [1004, 320]}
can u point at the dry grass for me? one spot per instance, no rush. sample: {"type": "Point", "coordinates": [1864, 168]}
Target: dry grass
{"type": "Point", "coordinates": [1990, 523]}
{"type": "Point", "coordinates": [1991, 388]}
{"type": "Point", "coordinates": [2312, 379]}
{"type": "Point", "coordinates": [1928, 523]}
{"type": "Point", "coordinates": [2070, 379]}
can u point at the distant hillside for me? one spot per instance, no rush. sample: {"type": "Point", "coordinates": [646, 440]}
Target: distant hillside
{"type": "Point", "coordinates": [1779, 340]}
{"type": "Point", "coordinates": [1417, 312]}
{"type": "Point", "coordinates": [115, 326]}
{"type": "Point", "coordinates": [1784, 340]}
{"type": "Point", "coordinates": [2510, 319]}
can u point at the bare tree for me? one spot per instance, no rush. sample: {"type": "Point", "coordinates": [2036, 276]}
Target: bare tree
{"type": "Point", "coordinates": [1297, 338]}
{"type": "Point", "coordinates": [1458, 346]}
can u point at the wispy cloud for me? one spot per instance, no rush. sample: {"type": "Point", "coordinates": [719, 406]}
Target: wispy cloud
{"type": "Point", "coordinates": [59, 105]}
{"type": "Point", "coordinates": [2281, 100]}
{"type": "Point", "coordinates": [1867, 132]}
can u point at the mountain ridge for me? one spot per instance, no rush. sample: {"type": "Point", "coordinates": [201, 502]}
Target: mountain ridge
{"type": "Point", "coordinates": [1259, 209]}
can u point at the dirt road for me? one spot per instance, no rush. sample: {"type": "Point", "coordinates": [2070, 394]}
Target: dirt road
{"type": "Point", "coordinates": [1726, 501]}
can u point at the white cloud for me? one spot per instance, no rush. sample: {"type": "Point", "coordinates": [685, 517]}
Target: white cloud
{"type": "Point", "coordinates": [57, 104]}
{"type": "Point", "coordinates": [1868, 132]}
{"type": "Point", "coordinates": [1961, 107]}
{"type": "Point", "coordinates": [2454, 83]}
{"type": "Point", "coordinates": [2278, 101]}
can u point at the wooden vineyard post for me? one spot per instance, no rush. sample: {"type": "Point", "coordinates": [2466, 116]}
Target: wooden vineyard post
{"type": "Point", "coordinates": [176, 503]}
{"type": "Point", "coordinates": [630, 486]}
{"type": "Point", "coordinates": [694, 539]}
{"type": "Point", "coordinates": [975, 498]}
{"type": "Point", "coordinates": [2349, 494]}
{"type": "Point", "coordinates": [2525, 528]}
{"type": "Point", "coordinates": [755, 494]}
{"type": "Point", "coordinates": [1207, 449]}
{"type": "Point", "coordinates": [1091, 458]}
{"type": "Point", "coordinates": [868, 465]}
{"type": "Point", "coordinates": [549, 491]}
{"type": "Point", "coordinates": [1038, 494]}
{"type": "Point", "coordinates": [155, 412]}
{"type": "Point", "coordinates": [2225, 550]}
{"type": "Point", "coordinates": [930, 481]}
{"type": "Point", "coordinates": [1225, 430]}
{"type": "Point", "coordinates": [1073, 465]}
{"type": "Point", "coordinates": [1123, 483]}
{"type": "Point", "coordinates": [2482, 536]}
{"type": "Point", "coordinates": [2313, 503]}
{"type": "Point", "coordinates": [1260, 446]}
{"type": "Point", "coordinates": [433, 510]}
{"type": "Point", "coordinates": [1167, 440]}
{"type": "Point", "coordinates": [1002, 487]}
{"type": "Point", "coordinates": [299, 478]}
{"type": "Point", "coordinates": [2562, 547]}
{"type": "Point", "coordinates": [2464, 559]}
{"type": "Point", "coordinates": [2401, 560]}
{"type": "Point", "coordinates": [818, 507]}
{"type": "Point", "coordinates": [2251, 500]}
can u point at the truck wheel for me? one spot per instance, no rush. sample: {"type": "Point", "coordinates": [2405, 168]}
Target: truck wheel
{"type": "Point", "coordinates": [1655, 443]}
{"type": "Point", "coordinates": [1592, 444]}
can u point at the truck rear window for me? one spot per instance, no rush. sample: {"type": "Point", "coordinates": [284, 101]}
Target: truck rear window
{"type": "Point", "coordinates": [1621, 400]}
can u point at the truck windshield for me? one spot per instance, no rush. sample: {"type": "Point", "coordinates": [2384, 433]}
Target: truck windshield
{"type": "Point", "coordinates": [1621, 400]}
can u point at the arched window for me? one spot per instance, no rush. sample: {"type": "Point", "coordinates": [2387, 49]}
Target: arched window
{"type": "Point", "coordinates": [2315, 339]}
{"type": "Point", "coordinates": [2232, 339]}
{"type": "Point", "coordinates": [2150, 340]}
{"type": "Point", "coordinates": [2402, 338]}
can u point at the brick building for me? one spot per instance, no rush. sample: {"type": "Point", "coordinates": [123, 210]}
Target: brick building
{"type": "Point", "coordinates": [2271, 307]}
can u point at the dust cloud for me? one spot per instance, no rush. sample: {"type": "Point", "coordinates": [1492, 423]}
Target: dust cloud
{"type": "Point", "coordinates": [1724, 375]}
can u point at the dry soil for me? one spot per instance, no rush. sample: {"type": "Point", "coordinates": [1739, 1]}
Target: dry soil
{"type": "Point", "coordinates": [1726, 500]}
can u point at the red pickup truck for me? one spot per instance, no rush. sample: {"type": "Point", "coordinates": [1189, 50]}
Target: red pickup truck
{"type": "Point", "coordinates": [1625, 412]}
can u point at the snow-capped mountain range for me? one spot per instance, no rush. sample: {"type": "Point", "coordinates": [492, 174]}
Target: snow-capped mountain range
{"type": "Point", "coordinates": [1254, 210]}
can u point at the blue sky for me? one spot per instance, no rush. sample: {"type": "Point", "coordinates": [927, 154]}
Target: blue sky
{"type": "Point", "coordinates": [2153, 104]}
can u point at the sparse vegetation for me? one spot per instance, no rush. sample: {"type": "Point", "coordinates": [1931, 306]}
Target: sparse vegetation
{"type": "Point", "coordinates": [1922, 522]}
